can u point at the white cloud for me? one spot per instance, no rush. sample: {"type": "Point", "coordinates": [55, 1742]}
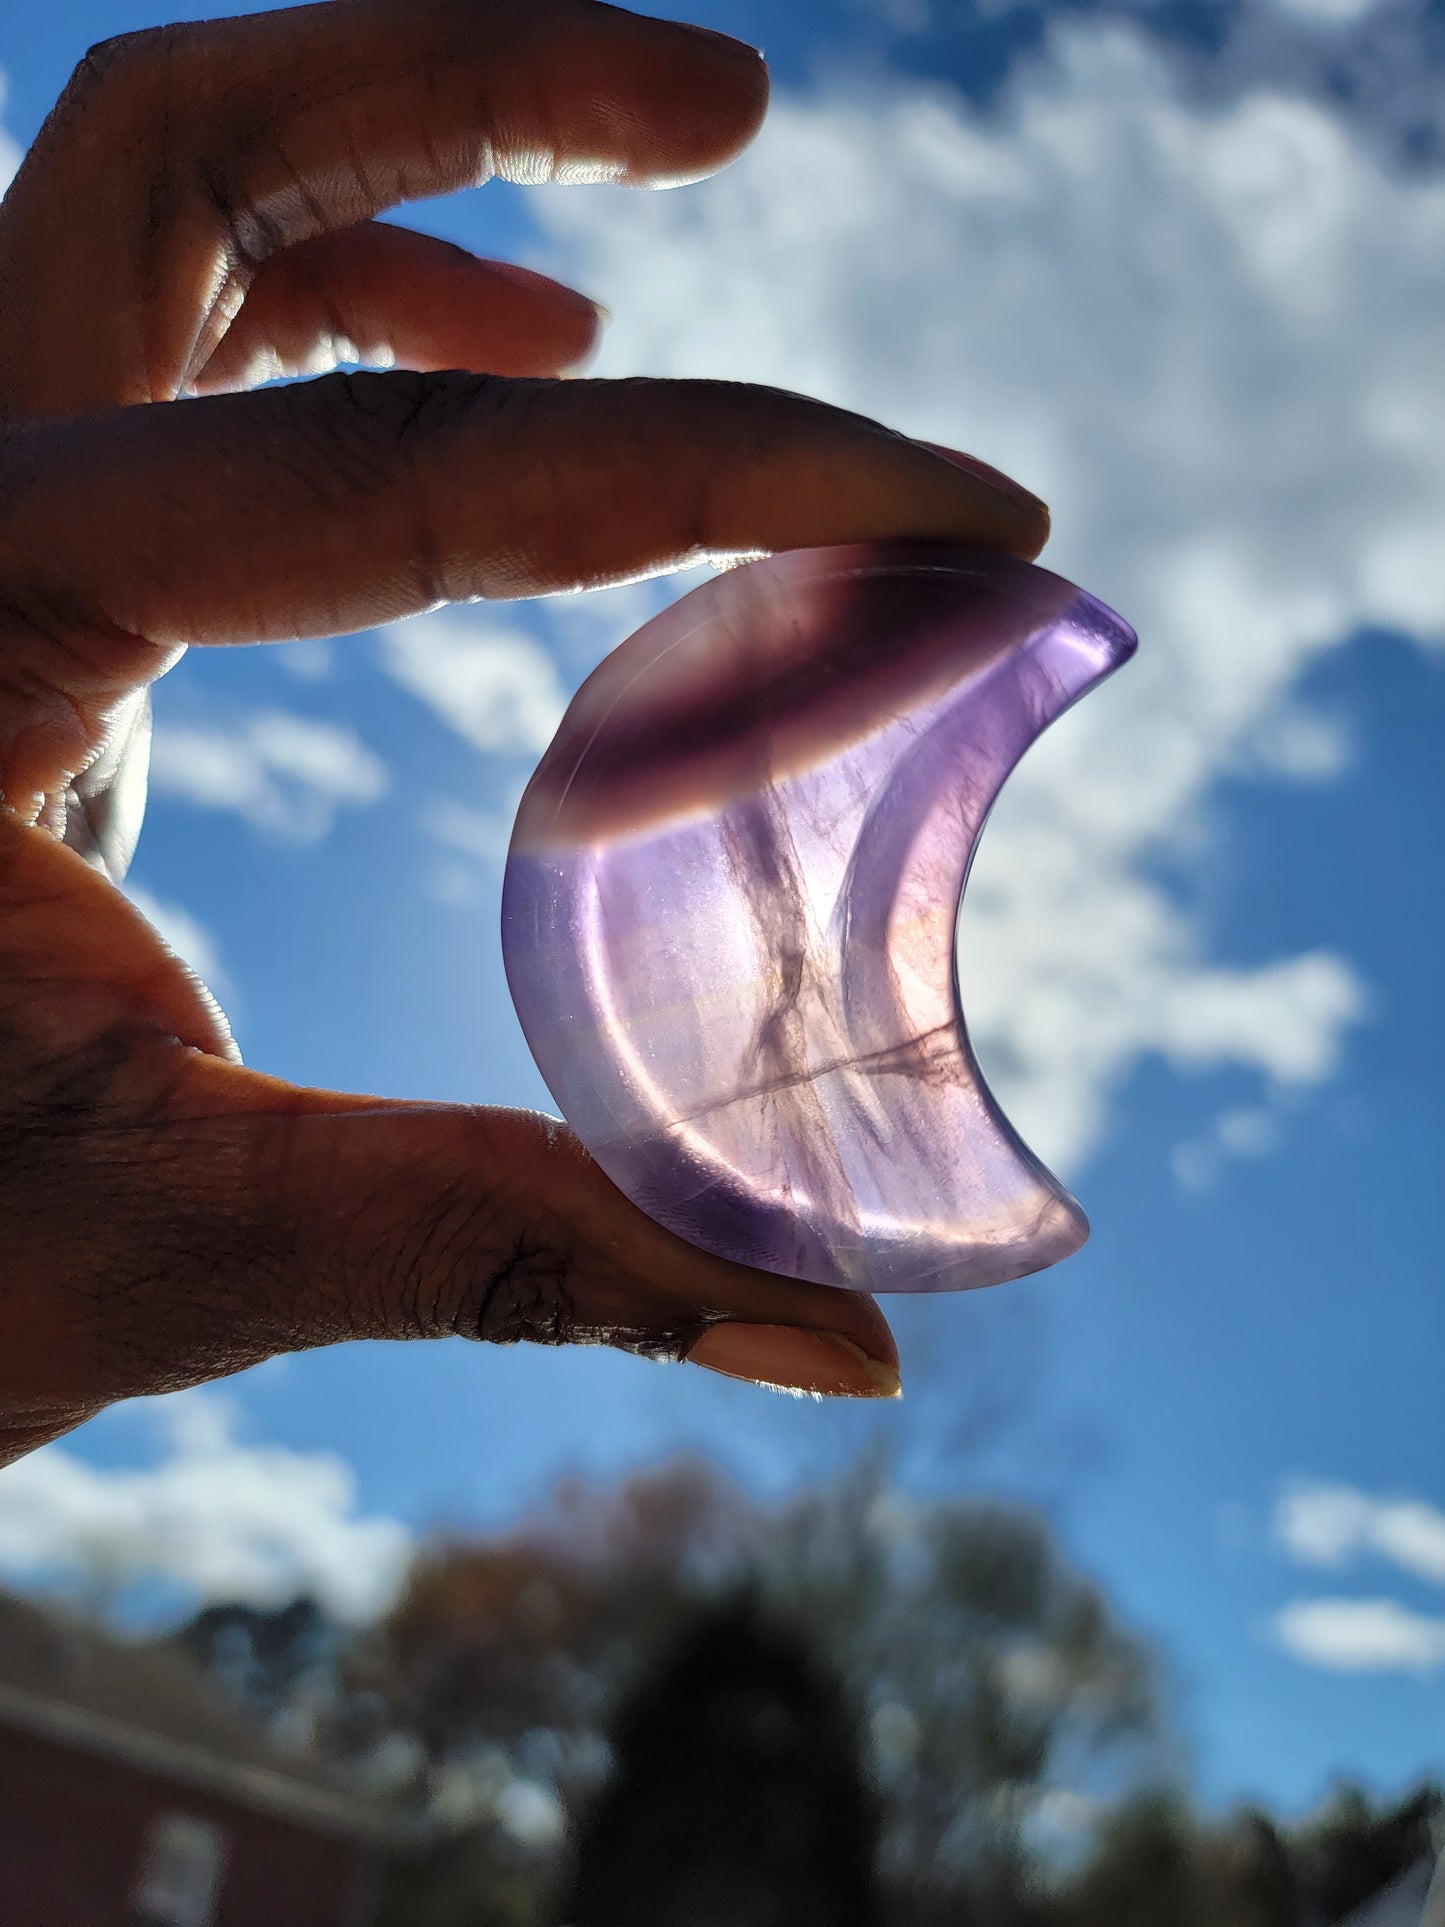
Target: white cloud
{"type": "Point", "coordinates": [1328, 1525]}
{"type": "Point", "coordinates": [474, 843]}
{"type": "Point", "coordinates": [1249, 1131]}
{"type": "Point", "coordinates": [1360, 1636]}
{"type": "Point", "coordinates": [1376, 63]}
{"type": "Point", "coordinates": [482, 835]}
{"type": "Point", "coordinates": [9, 152]}
{"type": "Point", "coordinates": [1302, 746]}
{"type": "Point", "coordinates": [313, 659]}
{"type": "Point", "coordinates": [1329, 13]}
{"type": "Point", "coordinates": [217, 1517]}
{"type": "Point", "coordinates": [285, 774]}
{"type": "Point", "coordinates": [496, 686]}
{"type": "Point", "coordinates": [1211, 340]}
{"type": "Point", "coordinates": [905, 16]}
{"type": "Point", "coordinates": [186, 935]}
{"type": "Point", "coordinates": [451, 882]}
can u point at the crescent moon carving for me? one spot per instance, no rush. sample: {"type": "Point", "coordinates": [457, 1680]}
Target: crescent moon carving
{"type": "Point", "coordinates": [731, 899]}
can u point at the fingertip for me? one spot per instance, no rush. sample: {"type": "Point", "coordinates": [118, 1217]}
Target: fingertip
{"type": "Point", "coordinates": [564, 339]}
{"type": "Point", "coordinates": [1028, 513]}
{"type": "Point", "coordinates": [590, 330]}
{"type": "Point", "coordinates": [714, 89]}
{"type": "Point", "coordinates": [795, 1359]}
{"type": "Point", "coordinates": [542, 287]}
{"type": "Point", "coordinates": [739, 68]}
{"type": "Point", "coordinates": [1043, 529]}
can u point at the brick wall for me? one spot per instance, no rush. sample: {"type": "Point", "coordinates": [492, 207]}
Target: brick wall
{"type": "Point", "coordinates": [73, 1829]}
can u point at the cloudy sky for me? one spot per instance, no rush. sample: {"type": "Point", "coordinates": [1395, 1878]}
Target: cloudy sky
{"type": "Point", "coordinates": [1181, 270]}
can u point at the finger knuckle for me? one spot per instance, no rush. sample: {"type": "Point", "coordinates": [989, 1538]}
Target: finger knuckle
{"type": "Point", "coordinates": [397, 434]}
{"type": "Point", "coordinates": [370, 426]}
{"type": "Point", "coordinates": [452, 1264]}
{"type": "Point", "coordinates": [526, 1298]}
{"type": "Point", "coordinates": [405, 411]}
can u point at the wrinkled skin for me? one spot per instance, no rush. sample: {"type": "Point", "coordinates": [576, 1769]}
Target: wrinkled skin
{"type": "Point", "coordinates": [195, 217]}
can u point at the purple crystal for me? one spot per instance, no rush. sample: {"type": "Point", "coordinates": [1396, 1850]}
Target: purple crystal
{"type": "Point", "coordinates": [730, 903]}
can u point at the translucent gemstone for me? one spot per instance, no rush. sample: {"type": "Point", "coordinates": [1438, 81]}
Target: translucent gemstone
{"type": "Point", "coordinates": [730, 906]}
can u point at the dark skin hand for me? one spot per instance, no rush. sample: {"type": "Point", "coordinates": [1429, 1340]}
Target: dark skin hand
{"type": "Point", "coordinates": [196, 216]}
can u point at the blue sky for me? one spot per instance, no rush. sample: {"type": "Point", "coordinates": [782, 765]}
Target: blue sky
{"type": "Point", "coordinates": [1180, 270]}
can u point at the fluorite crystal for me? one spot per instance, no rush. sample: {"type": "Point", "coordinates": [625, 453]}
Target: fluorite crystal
{"type": "Point", "coordinates": [730, 905]}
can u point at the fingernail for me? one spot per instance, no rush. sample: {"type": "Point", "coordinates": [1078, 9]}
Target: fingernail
{"type": "Point", "coordinates": [993, 476]}
{"type": "Point", "coordinates": [544, 284]}
{"type": "Point", "coordinates": [585, 304]}
{"type": "Point", "coordinates": [792, 1359]}
{"type": "Point", "coordinates": [740, 50]}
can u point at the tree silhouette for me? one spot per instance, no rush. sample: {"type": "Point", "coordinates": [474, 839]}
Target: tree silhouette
{"type": "Point", "coordinates": [737, 1797]}
{"type": "Point", "coordinates": [1352, 1848]}
{"type": "Point", "coordinates": [985, 1677]}
{"type": "Point", "coordinates": [974, 1697]}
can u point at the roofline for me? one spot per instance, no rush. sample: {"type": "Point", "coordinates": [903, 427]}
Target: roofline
{"type": "Point", "coordinates": [260, 1788]}
{"type": "Point", "coordinates": [1434, 1914]}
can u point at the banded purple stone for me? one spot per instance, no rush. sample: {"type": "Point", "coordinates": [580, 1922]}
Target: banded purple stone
{"type": "Point", "coordinates": [730, 905]}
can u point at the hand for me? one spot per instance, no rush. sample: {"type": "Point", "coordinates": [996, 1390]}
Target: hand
{"type": "Point", "coordinates": [196, 217]}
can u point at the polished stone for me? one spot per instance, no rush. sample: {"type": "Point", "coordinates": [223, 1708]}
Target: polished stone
{"type": "Point", "coordinates": [730, 905]}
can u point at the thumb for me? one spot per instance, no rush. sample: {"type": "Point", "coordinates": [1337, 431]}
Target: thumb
{"type": "Point", "coordinates": [411, 1220]}
{"type": "Point", "coordinates": [169, 1216]}
{"type": "Point", "coordinates": [326, 1217]}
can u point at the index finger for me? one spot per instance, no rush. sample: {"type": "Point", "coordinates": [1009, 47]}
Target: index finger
{"type": "Point", "coordinates": [344, 503]}
{"type": "Point", "coordinates": [180, 158]}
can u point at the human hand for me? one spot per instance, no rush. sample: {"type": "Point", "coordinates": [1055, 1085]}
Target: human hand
{"type": "Point", "coordinates": [195, 217]}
